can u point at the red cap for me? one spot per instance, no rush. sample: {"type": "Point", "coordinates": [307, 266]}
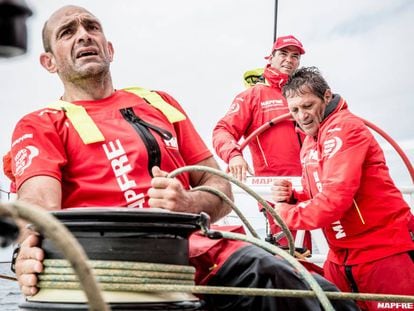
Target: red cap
{"type": "Point", "coordinates": [285, 41]}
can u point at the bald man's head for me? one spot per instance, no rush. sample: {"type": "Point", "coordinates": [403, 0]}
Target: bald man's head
{"type": "Point", "coordinates": [56, 16]}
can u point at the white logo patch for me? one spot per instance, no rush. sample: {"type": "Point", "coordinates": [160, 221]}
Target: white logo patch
{"type": "Point", "coordinates": [21, 138]}
{"type": "Point", "coordinates": [234, 107]}
{"type": "Point", "coordinates": [24, 157]}
{"type": "Point", "coordinates": [272, 103]}
{"type": "Point", "coordinates": [41, 113]}
{"type": "Point", "coordinates": [335, 129]}
{"type": "Point", "coordinates": [339, 230]}
{"type": "Point", "coordinates": [172, 143]}
{"type": "Point", "coordinates": [332, 146]}
{"type": "Point", "coordinates": [303, 204]}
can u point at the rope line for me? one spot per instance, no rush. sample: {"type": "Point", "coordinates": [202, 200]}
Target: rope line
{"type": "Point", "coordinates": [58, 270]}
{"type": "Point", "coordinates": [163, 269]}
{"type": "Point", "coordinates": [7, 277]}
{"type": "Point", "coordinates": [239, 291]}
{"type": "Point", "coordinates": [123, 265]}
{"type": "Point", "coordinates": [124, 273]}
{"type": "Point", "coordinates": [267, 246]}
{"type": "Point", "coordinates": [64, 241]}
{"type": "Point", "coordinates": [258, 198]}
{"type": "Point", "coordinates": [233, 206]}
{"type": "Point", "coordinates": [150, 277]}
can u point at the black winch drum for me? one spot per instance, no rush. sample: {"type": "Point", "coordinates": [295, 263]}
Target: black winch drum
{"type": "Point", "coordinates": [121, 234]}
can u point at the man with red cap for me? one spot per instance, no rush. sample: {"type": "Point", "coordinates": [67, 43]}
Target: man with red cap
{"type": "Point", "coordinates": [274, 152]}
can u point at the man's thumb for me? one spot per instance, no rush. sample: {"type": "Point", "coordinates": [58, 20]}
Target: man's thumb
{"type": "Point", "coordinates": [157, 172]}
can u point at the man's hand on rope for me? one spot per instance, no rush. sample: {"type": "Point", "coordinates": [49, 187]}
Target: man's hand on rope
{"type": "Point", "coordinates": [239, 168]}
{"type": "Point", "coordinates": [281, 190]}
{"type": "Point", "coordinates": [168, 193]}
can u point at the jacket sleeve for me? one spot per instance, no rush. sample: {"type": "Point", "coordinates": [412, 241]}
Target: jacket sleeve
{"type": "Point", "coordinates": [37, 147]}
{"type": "Point", "coordinates": [343, 153]}
{"type": "Point", "coordinates": [233, 126]}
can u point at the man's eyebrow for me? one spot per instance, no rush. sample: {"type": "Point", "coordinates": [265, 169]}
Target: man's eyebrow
{"type": "Point", "coordinates": [90, 20]}
{"type": "Point", "coordinates": [72, 23]}
{"type": "Point", "coordinates": [65, 26]}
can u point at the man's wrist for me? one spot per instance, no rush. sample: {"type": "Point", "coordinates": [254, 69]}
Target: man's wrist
{"type": "Point", "coordinates": [293, 199]}
{"type": "Point", "coordinates": [14, 258]}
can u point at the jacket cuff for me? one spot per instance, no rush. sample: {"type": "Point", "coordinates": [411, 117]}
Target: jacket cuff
{"type": "Point", "coordinates": [234, 153]}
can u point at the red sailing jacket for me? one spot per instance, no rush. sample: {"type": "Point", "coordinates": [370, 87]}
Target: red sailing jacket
{"type": "Point", "coordinates": [347, 191]}
{"type": "Point", "coordinates": [275, 152]}
{"type": "Point", "coordinates": [115, 172]}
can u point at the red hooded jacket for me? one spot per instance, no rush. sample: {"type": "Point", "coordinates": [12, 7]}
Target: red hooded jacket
{"type": "Point", "coordinates": [275, 152]}
{"type": "Point", "coordinates": [347, 191]}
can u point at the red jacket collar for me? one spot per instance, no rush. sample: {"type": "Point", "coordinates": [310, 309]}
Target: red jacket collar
{"type": "Point", "coordinates": [274, 77]}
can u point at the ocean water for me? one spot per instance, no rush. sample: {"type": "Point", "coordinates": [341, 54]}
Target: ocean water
{"type": "Point", "coordinates": [9, 290]}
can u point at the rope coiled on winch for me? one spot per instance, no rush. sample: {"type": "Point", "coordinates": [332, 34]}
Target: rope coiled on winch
{"type": "Point", "coordinates": [115, 275]}
{"type": "Point", "coordinates": [128, 271]}
{"type": "Point", "coordinates": [187, 273]}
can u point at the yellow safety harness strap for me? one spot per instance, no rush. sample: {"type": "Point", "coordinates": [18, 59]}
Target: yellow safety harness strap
{"type": "Point", "coordinates": [154, 99]}
{"type": "Point", "coordinates": [81, 121]}
{"type": "Point", "coordinates": [86, 127]}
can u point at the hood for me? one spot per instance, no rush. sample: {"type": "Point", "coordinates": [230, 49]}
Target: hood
{"type": "Point", "coordinates": [337, 103]}
{"type": "Point", "coordinates": [267, 75]}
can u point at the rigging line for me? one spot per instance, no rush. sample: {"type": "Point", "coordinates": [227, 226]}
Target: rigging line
{"type": "Point", "coordinates": [258, 198]}
{"type": "Point", "coordinates": [232, 205]}
{"type": "Point", "coordinates": [269, 247]}
{"type": "Point", "coordinates": [7, 277]}
{"type": "Point", "coordinates": [241, 291]}
{"type": "Point", "coordinates": [369, 124]}
{"type": "Point", "coordinates": [275, 22]}
{"type": "Point", "coordinates": [65, 241]}
{"type": "Point", "coordinates": [6, 192]}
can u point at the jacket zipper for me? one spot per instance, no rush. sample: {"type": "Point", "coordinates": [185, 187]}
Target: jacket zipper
{"type": "Point", "coordinates": [351, 279]}
{"type": "Point", "coordinates": [143, 130]}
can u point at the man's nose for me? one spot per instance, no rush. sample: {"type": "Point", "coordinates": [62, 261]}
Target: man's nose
{"type": "Point", "coordinates": [83, 35]}
{"type": "Point", "coordinates": [303, 115]}
{"type": "Point", "coordinates": [290, 58]}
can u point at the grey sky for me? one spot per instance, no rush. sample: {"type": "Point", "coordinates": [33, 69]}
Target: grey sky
{"type": "Point", "coordinates": [198, 50]}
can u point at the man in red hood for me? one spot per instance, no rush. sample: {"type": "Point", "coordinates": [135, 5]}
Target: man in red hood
{"type": "Point", "coordinates": [348, 192]}
{"type": "Point", "coordinates": [274, 152]}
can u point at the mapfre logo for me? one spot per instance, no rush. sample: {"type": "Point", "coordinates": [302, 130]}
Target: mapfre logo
{"type": "Point", "coordinates": [331, 146]}
{"type": "Point", "coordinates": [24, 157]}
{"type": "Point", "coordinates": [291, 40]}
{"type": "Point", "coordinates": [395, 306]}
{"type": "Point", "coordinates": [272, 103]}
{"type": "Point", "coordinates": [21, 138]}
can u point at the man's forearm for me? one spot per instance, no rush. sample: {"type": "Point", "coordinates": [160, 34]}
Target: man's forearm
{"type": "Point", "coordinates": [207, 202]}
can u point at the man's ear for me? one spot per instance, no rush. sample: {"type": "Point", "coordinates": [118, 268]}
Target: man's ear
{"type": "Point", "coordinates": [111, 51]}
{"type": "Point", "coordinates": [47, 60]}
{"type": "Point", "coordinates": [327, 96]}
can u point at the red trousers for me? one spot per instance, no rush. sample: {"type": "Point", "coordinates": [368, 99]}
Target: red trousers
{"type": "Point", "coordinates": [390, 275]}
